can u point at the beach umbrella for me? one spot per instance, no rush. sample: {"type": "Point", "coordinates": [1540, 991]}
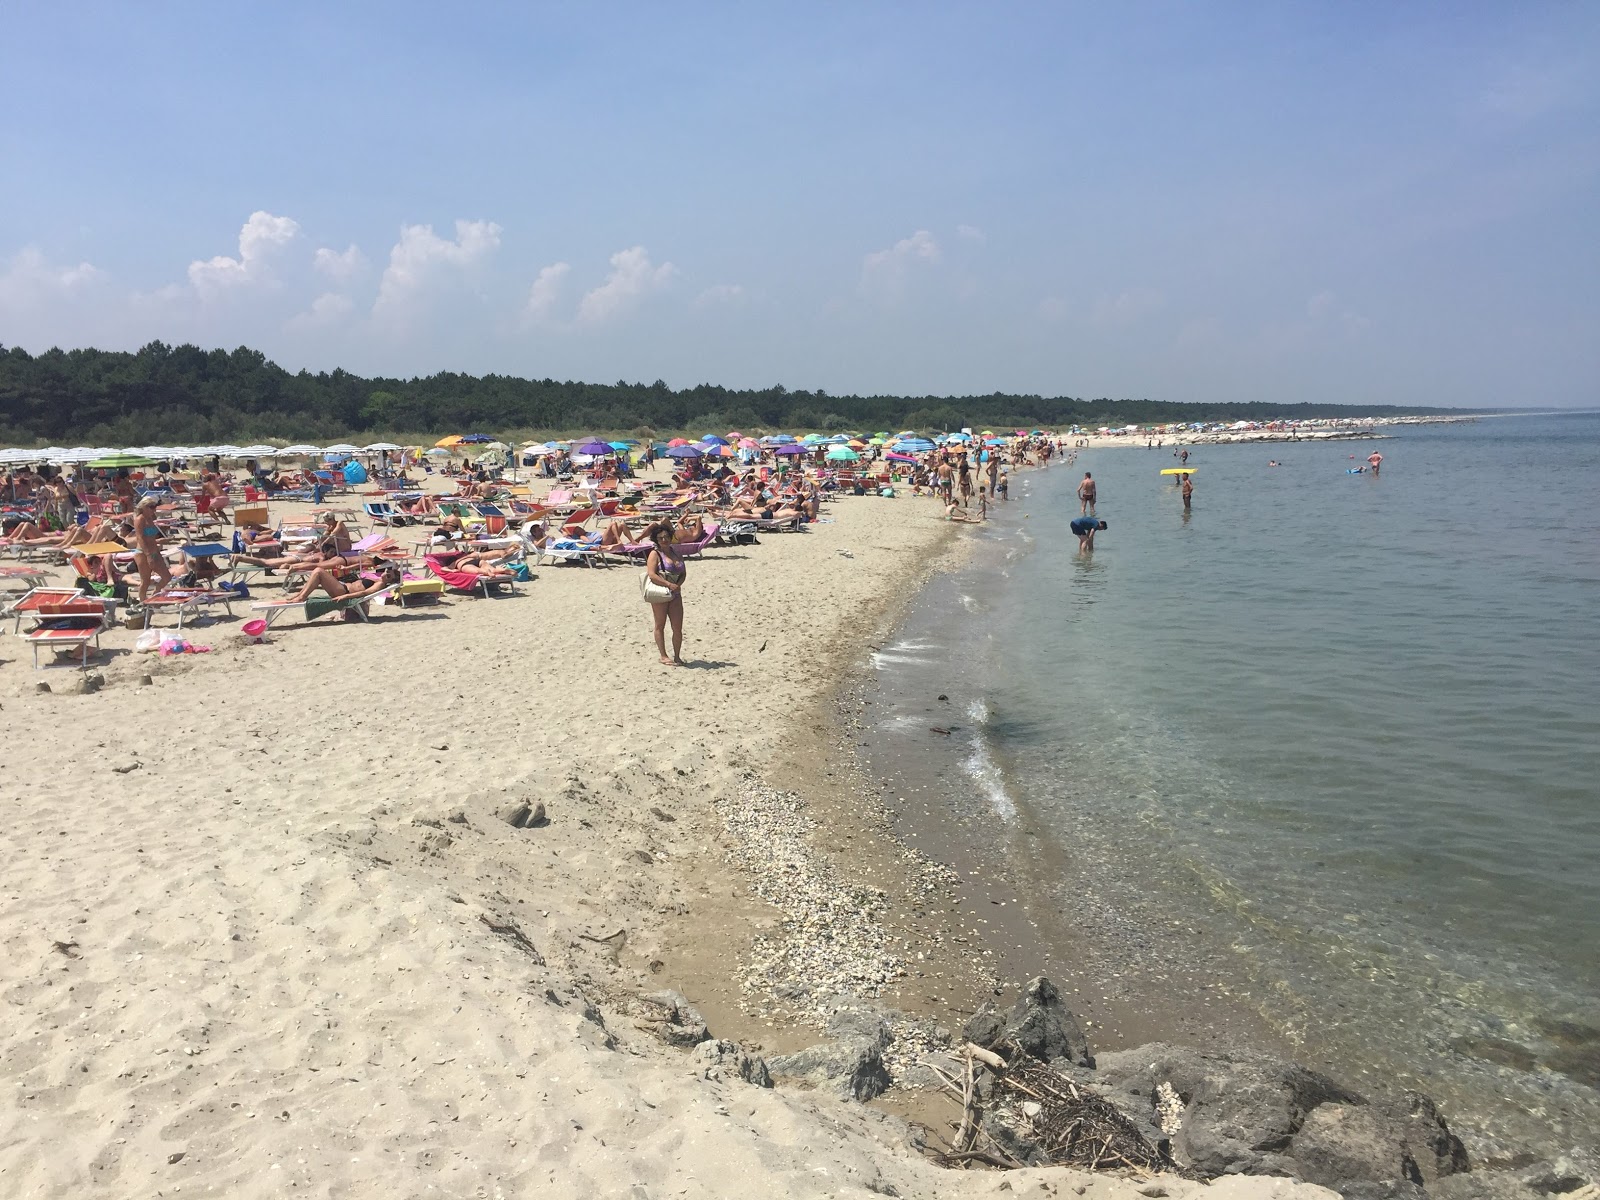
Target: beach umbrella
{"type": "Point", "coordinates": [678, 442]}
{"type": "Point", "coordinates": [123, 460]}
{"type": "Point", "coordinates": [622, 445]}
{"type": "Point", "coordinates": [594, 447]}
{"type": "Point", "coordinates": [734, 435]}
{"type": "Point", "coordinates": [297, 451]}
{"type": "Point", "coordinates": [842, 454]}
{"type": "Point", "coordinates": [684, 451]}
{"type": "Point", "coordinates": [477, 439]}
{"type": "Point", "coordinates": [913, 445]}
{"type": "Point", "coordinates": [896, 456]}
{"type": "Point", "coordinates": [342, 448]}
{"type": "Point", "coordinates": [438, 452]}
{"type": "Point", "coordinates": [448, 443]}
{"type": "Point", "coordinates": [382, 447]}
{"type": "Point", "coordinates": [748, 444]}
{"type": "Point", "coordinates": [792, 448]}
{"type": "Point", "coordinates": [782, 439]}
{"type": "Point", "coordinates": [713, 440]}
{"type": "Point", "coordinates": [857, 444]}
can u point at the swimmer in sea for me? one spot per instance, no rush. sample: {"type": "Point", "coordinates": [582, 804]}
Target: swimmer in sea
{"type": "Point", "coordinates": [1376, 460]}
{"type": "Point", "coordinates": [1188, 491]}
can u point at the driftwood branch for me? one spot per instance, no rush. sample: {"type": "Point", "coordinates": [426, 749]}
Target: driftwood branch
{"type": "Point", "coordinates": [1042, 1116]}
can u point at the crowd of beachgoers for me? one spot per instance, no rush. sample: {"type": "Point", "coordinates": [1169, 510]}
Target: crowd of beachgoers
{"type": "Point", "coordinates": [207, 528]}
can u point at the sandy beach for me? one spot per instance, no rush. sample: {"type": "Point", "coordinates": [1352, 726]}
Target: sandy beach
{"type": "Point", "coordinates": [267, 929]}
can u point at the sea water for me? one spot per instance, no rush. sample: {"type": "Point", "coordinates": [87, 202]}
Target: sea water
{"type": "Point", "coordinates": [1340, 730]}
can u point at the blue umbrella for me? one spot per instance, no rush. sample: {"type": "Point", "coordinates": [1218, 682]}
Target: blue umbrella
{"type": "Point", "coordinates": [684, 452]}
{"type": "Point", "coordinates": [477, 439]}
{"type": "Point", "coordinates": [792, 448]}
{"type": "Point", "coordinates": [714, 440]}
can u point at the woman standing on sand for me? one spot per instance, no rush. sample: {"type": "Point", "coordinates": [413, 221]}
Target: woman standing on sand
{"type": "Point", "coordinates": [147, 545]}
{"type": "Point", "coordinates": [665, 569]}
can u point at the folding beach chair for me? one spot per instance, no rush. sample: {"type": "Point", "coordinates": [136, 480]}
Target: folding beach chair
{"type": "Point", "coordinates": [37, 599]}
{"type": "Point", "coordinates": [320, 606]}
{"type": "Point", "coordinates": [188, 602]}
{"type": "Point", "coordinates": [465, 581]}
{"type": "Point", "coordinates": [70, 625]}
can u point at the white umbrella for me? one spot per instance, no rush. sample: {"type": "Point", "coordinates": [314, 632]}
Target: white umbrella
{"type": "Point", "coordinates": [254, 452]}
{"type": "Point", "coordinates": [383, 447]}
{"type": "Point", "coordinates": [287, 451]}
{"type": "Point", "coordinates": [342, 448]}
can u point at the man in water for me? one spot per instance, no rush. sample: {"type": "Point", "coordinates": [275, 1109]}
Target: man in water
{"type": "Point", "coordinates": [1188, 490]}
{"type": "Point", "coordinates": [1086, 528]}
{"type": "Point", "coordinates": [1086, 494]}
{"type": "Point", "coordinates": [1184, 458]}
{"type": "Point", "coordinates": [1375, 459]}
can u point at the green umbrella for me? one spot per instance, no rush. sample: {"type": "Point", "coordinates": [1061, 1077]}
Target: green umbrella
{"type": "Point", "coordinates": [123, 460]}
{"type": "Point", "coordinates": [842, 454]}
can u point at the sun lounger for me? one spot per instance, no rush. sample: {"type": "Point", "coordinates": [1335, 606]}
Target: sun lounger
{"type": "Point", "coordinates": [761, 525]}
{"type": "Point", "coordinates": [319, 606]}
{"type": "Point", "coordinates": [641, 550]}
{"type": "Point", "coordinates": [24, 577]}
{"type": "Point", "coordinates": [37, 599]}
{"type": "Point", "coordinates": [188, 601]}
{"type": "Point", "coordinates": [466, 581]}
{"type": "Point", "coordinates": [412, 589]}
{"type": "Point", "coordinates": [70, 625]}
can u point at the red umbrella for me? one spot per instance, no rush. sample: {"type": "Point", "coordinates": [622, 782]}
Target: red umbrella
{"type": "Point", "coordinates": [678, 442]}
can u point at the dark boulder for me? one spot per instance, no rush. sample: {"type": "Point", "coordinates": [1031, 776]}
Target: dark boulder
{"type": "Point", "coordinates": [1039, 1022]}
{"type": "Point", "coordinates": [1241, 1111]}
{"type": "Point", "coordinates": [851, 1070]}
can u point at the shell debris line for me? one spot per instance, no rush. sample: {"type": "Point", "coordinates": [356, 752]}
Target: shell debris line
{"type": "Point", "coordinates": [831, 950]}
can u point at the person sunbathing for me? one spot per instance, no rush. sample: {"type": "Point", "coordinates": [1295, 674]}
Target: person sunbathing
{"type": "Point", "coordinates": [691, 528]}
{"type": "Point", "coordinates": [421, 506]}
{"type": "Point", "coordinates": [485, 565]}
{"type": "Point", "coordinates": [25, 533]}
{"type": "Point", "coordinates": [449, 530]}
{"type": "Point", "coordinates": [617, 533]}
{"type": "Point", "coordinates": [328, 581]}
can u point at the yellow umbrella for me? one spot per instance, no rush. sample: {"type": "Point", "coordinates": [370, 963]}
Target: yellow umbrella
{"type": "Point", "coordinates": [447, 442]}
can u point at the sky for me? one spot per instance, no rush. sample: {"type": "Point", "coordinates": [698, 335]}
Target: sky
{"type": "Point", "coordinates": [1344, 202]}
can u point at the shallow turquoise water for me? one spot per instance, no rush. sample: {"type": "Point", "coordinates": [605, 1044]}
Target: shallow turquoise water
{"type": "Point", "coordinates": [1347, 727]}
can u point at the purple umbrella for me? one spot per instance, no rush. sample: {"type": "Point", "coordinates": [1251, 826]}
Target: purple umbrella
{"type": "Point", "coordinates": [683, 452]}
{"type": "Point", "coordinates": [793, 448]}
{"type": "Point", "coordinates": [594, 447]}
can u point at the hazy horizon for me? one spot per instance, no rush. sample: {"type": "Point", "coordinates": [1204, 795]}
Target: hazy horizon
{"type": "Point", "coordinates": [1328, 204]}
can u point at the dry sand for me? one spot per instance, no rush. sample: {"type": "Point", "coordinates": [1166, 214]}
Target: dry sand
{"type": "Point", "coordinates": [264, 932]}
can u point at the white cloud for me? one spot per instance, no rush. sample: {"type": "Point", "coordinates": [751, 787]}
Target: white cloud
{"type": "Point", "coordinates": [972, 233]}
{"type": "Point", "coordinates": [421, 257]}
{"type": "Point", "coordinates": [341, 267]}
{"type": "Point", "coordinates": [721, 293]}
{"type": "Point", "coordinates": [632, 277]}
{"type": "Point", "coordinates": [545, 293]}
{"type": "Point", "coordinates": [261, 235]}
{"type": "Point", "coordinates": [32, 279]}
{"type": "Point", "coordinates": [1127, 307]}
{"type": "Point", "coordinates": [884, 272]}
{"type": "Point", "coordinates": [330, 308]}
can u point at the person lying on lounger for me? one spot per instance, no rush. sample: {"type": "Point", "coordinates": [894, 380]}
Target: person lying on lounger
{"type": "Point", "coordinates": [323, 580]}
{"type": "Point", "coordinates": [486, 565]}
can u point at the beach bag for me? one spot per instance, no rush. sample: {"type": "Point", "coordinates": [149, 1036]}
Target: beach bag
{"type": "Point", "coordinates": [653, 593]}
{"type": "Point", "coordinates": [521, 573]}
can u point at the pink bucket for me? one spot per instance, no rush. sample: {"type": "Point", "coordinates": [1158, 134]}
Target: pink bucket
{"type": "Point", "coordinates": [254, 630]}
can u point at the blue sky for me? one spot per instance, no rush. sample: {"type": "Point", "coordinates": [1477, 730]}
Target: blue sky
{"type": "Point", "coordinates": [1342, 202]}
